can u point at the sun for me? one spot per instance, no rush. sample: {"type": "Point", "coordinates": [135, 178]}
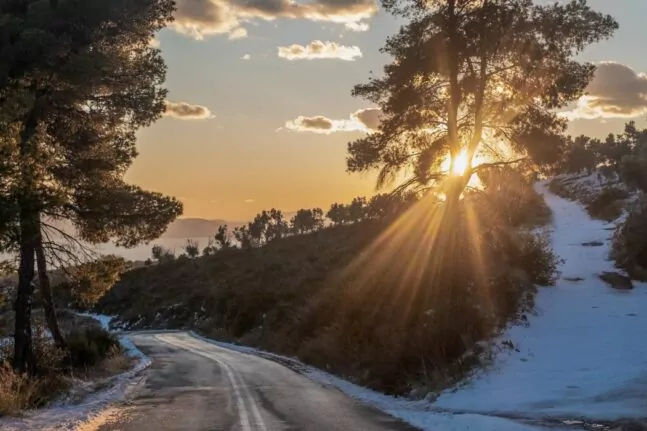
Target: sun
{"type": "Point", "coordinates": [460, 164]}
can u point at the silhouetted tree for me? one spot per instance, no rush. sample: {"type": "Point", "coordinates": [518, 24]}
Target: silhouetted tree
{"type": "Point", "coordinates": [72, 98]}
{"type": "Point", "coordinates": [467, 72]}
{"type": "Point", "coordinates": [307, 220]}
{"type": "Point", "coordinates": [277, 227]}
{"type": "Point", "coordinates": [244, 237]}
{"type": "Point", "coordinates": [633, 172]}
{"type": "Point", "coordinates": [381, 205]}
{"type": "Point", "coordinates": [357, 210]}
{"type": "Point", "coordinates": [266, 226]}
{"type": "Point", "coordinates": [192, 248]}
{"type": "Point", "coordinates": [223, 241]}
{"type": "Point", "coordinates": [89, 281]}
{"type": "Point", "coordinates": [338, 213]}
{"type": "Point", "coordinates": [580, 155]}
{"type": "Point", "coordinates": [162, 254]}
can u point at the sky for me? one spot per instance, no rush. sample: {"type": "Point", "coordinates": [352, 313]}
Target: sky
{"type": "Point", "coordinates": [260, 107]}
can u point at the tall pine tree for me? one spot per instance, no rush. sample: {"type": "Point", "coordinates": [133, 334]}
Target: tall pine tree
{"type": "Point", "coordinates": [77, 80]}
{"type": "Point", "coordinates": [475, 78]}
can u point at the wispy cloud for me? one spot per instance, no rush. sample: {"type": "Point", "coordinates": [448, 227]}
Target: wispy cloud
{"type": "Point", "coordinates": [363, 120]}
{"type": "Point", "coordinates": [201, 18]}
{"type": "Point", "coordinates": [246, 57]}
{"type": "Point", "coordinates": [616, 91]}
{"type": "Point", "coordinates": [249, 201]}
{"type": "Point", "coordinates": [187, 111]}
{"type": "Point", "coordinates": [319, 50]}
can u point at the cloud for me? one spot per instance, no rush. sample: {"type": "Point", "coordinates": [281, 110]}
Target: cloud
{"type": "Point", "coordinates": [363, 120]}
{"type": "Point", "coordinates": [357, 26]}
{"type": "Point", "coordinates": [369, 117]}
{"type": "Point", "coordinates": [186, 111]}
{"type": "Point", "coordinates": [246, 57]}
{"type": "Point", "coordinates": [202, 18]}
{"type": "Point", "coordinates": [616, 91]}
{"type": "Point", "coordinates": [319, 50]}
{"type": "Point", "coordinates": [249, 201]}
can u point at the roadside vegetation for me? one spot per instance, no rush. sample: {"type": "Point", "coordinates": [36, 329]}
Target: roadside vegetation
{"type": "Point", "coordinates": [92, 354]}
{"type": "Point", "coordinates": [610, 179]}
{"type": "Point", "coordinates": [77, 81]}
{"type": "Point", "coordinates": [367, 300]}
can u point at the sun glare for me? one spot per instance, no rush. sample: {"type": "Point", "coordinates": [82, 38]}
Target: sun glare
{"type": "Point", "coordinates": [460, 164]}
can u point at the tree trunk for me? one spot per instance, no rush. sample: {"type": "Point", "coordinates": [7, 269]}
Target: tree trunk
{"type": "Point", "coordinates": [23, 358]}
{"type": "Point", "coordinates": [455, 187]}
{"type": "Point", "coordinates": [46, 291]}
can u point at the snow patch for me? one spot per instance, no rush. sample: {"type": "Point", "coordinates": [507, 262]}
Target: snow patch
{"type": "Point", "coordinates": [103, 320]}
{"type": "Point", "coordinates": [582, 354]}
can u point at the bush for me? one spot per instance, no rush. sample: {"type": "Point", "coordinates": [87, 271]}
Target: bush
{"type": "Point", "coordinates": [633, 172]}
{"type": "Point", "coordinates": [509, 199]}
{"type": "Point", "coordinates": [89, 346]}
{"type": "Point", "coordinates": [608, 205]}
{"type": "Point", "coordinates": [18, 391]}
{"type": "Point", "coordinates": [629, 245]}
{"type": "Point", "coordinates": [535, 256]}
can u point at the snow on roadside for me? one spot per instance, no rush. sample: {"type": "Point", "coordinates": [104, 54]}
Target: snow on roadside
{"type": "Point", "coordinates": [416, 413]}
{"type": "Point", "coordinates": [582, 355]}
{"type": "Point", "coordinates": [103, 320]}
{"type": "Point", "coordinates": [95, 409]}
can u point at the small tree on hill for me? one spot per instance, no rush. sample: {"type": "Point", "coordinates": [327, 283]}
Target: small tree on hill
{"type": "Point", "coordinates": [244, 237]}
{"type": "Point", "coordinates": [338, 213]}
{"type": "Point", "coordinates": [277, 226]}
{"type": "Point", "coordinates": [357, 209]}
{"type": "Point", "coordinates": [192, 248]}
{"type": "Point", "coordinates": [581, 155]}
{"type": "Point", "coordinates": [223, 240]}
{"type": "Point", "coordinates": [162, 254]}
{"type": "Point", "coordinates": [307, 220]}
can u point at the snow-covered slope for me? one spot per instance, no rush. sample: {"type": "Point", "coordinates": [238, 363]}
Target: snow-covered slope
{"type": "Point", "coordinates": [584, 353]}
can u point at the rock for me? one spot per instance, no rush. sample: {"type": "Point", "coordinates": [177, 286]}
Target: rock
{"type": "Point", "coordinates": [630, 426]}
{"type": "Point", "coordinates": [593, 244]}
{"type": "Point", "coordinates": [617, 281]}
{"type": "Point", "coordinates": [573, 279]}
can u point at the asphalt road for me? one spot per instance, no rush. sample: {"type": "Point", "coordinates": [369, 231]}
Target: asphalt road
{"type": "Point", "coordinates": [193, 385]}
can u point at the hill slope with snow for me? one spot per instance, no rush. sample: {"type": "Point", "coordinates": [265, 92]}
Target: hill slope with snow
{"type": "Point", "coordinates": [584, 352]}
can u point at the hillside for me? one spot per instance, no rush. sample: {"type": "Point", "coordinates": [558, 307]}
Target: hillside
{"type": "Point", "coordinates": [581, 354]}
{"type": "Point", "coordinates": [366, 300]}
{"type": "Point", "coordinates": [553, 370]}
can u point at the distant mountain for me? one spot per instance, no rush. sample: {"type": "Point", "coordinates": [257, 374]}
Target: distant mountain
{"type": "Point", "coordinates": [196, 228]}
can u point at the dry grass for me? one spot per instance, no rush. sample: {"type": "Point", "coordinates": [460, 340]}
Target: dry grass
{"type": "Point", "coordinates": [16, 391]}
{"type": "Point", "coordinates": [19, 392]}
{"type": "Point", "coordinates": [56, 374]}
{"type": "Point", "coordinates": [116, 362]}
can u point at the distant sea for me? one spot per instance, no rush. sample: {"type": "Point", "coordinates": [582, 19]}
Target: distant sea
{"type": "Point", "coordinates": [143, 252]}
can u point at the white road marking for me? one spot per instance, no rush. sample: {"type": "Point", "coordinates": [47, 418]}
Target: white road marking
{"type": "Point", "coordinates": [235, 379]}
{"type": "Point", "coordinates": [193, 344]}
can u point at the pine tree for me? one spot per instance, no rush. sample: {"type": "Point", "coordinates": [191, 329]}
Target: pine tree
{"type": "Point", "coordinates": [475, 79]}
{"type": "Point", "coordinates": [77, 80]}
